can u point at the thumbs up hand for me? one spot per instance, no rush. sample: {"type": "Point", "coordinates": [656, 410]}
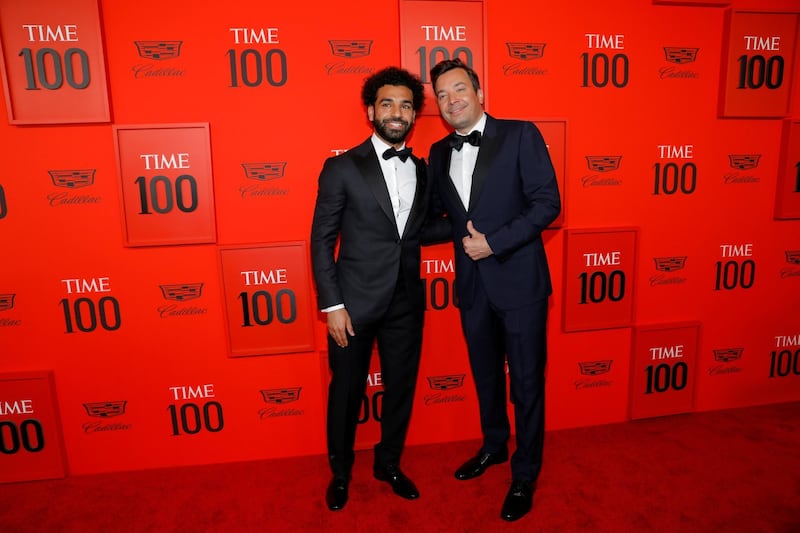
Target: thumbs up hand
{"type": "Point", "coordinates": [475, 244]}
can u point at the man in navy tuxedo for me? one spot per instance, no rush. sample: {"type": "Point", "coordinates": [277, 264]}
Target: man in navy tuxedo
{"type": "Point", "coordinates": [372, 201]}
{"type": "Point", "coordinates": [496, 183]}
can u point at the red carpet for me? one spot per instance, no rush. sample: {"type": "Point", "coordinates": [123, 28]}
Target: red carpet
{"type": "Point", "coordinates": [733, 470]}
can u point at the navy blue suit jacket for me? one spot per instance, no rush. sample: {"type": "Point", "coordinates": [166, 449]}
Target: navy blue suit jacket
{"type": "Point", "coordinates": [514, 197]}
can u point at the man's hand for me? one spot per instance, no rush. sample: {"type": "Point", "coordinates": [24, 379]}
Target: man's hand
{"type": "Point", "coordinates": [339, 326]}
{"type": "Point", "coordinates": [475, 245]}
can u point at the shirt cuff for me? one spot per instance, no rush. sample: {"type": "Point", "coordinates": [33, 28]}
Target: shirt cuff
{"type": "Point", "coordinates": [333, 308]}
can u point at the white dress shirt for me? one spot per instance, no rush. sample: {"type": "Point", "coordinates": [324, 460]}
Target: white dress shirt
{"type": "Point", "coordinates": [462, 164]}
{"type": "Point", "coordinates": [401, 182]}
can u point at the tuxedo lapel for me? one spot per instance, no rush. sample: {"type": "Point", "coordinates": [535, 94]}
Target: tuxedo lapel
{"type": "Point", "coordinates": [489, 144]}
{"type": "Point", "coordinates": [366, 160]}
{"type": "Point", "coordinates": [449, 186]}
{"type": "Point", "coordinates": [419, 194]}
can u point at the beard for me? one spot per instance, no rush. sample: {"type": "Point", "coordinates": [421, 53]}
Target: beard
{"type": "Point", "coordinates": [388, 135]}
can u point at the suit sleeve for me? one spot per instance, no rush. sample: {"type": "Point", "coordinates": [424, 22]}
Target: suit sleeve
{"type": "Point", "coordinates": [540, 192]}
{"type": "Point", "coordinates": [325, 226]}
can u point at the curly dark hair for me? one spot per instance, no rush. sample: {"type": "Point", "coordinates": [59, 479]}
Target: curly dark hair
{"type": "Point", "coordinates": [449, 64]}
{"type": "Point", "coordinates": [392, 76]}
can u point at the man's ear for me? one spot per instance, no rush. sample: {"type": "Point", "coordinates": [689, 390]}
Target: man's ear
{"type": "Point", "coordinates": [371, 113]}
{"type": "Point", "coordinates": [480, 96]}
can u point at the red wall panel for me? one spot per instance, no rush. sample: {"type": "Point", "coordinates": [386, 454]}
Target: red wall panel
{"type": "Point", "coordinates": [627, 94]}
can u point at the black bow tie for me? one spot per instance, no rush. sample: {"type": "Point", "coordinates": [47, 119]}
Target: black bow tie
{"type": "Point", "coordinates": [457, 141]}
{"type": "Point", "coordinates": [402, 154]}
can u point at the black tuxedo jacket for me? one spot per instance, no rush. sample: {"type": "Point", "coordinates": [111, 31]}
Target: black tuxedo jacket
{"type": "Point", "coordinates": [353, 206]}
{"type": "Point", "coordinates": [514, 197]}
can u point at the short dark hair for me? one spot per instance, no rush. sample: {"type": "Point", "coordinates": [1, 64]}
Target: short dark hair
{"type": "Point", "coordinates": [392, 76]}
{"type": "Point", "coordinates": [447, 65]}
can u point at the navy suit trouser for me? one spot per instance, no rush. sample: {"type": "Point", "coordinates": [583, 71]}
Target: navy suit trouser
{"type": "Point", "coordinates": [492, 335]}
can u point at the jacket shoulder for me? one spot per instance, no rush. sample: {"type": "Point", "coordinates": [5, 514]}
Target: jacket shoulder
{"type": "Point", "coordinates": [516, 127]}
{"type": "Point", "coordinates": [441, 144]}
{"type": "Point", "coordinates": [512, 123]}
{"type": "Point", "coordinates": [350, 155]}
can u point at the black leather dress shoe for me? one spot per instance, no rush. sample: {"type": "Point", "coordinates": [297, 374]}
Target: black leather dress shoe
{"type": "Point", "coordinates": [336, 495]}
{"type": "Point", "coordinates": [518, 501]}
{"type": "Point", "coordinates": [478, 464]}
{"type": "Point", "coordinates": [401, 485]}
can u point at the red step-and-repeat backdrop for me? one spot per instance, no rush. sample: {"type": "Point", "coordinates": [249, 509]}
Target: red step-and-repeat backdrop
{"type": "Point", "coordinates": [159, 171]}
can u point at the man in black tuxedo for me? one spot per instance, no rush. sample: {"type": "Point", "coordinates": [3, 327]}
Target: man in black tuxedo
{"type": "Point", "coordinates": [495, 180]}
{"type": "Point", "coordinates": [372, 199]}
